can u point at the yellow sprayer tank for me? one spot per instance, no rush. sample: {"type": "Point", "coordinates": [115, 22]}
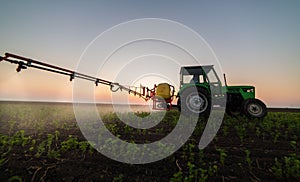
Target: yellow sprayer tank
{"type": "Point", "coordinates": [163, 90]}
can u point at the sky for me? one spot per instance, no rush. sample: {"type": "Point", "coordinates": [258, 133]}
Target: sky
{"type": "Point", "coordinates": [256, 42]}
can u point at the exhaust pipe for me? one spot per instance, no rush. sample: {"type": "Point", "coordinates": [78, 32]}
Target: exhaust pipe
{"type": "Point", "coordinates": [225, 79]}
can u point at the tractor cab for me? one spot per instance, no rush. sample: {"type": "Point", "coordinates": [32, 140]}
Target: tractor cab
{"type": "Point", "coordinates": [203, 76]}
{"type": "Point", "coordinates": [192, 75]}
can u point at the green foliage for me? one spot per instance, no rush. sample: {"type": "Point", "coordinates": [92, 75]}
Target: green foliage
{"type": "Point", "coordinates": [50, 140]}
{"type": "Point", "coordinates": [83, 146]}
{"type": "Point", "coordinates": [241, 131]}
{"type": "Point", "coordinates": [11, 126]}
{"type": "Point", "coordinates": [69, 144]}
{"type": "Point", "coordinates": [8, 142]}
{"type": "Point", "coordinates": [225, 130]}
{"type": "Point", "coordinates": [4, 142]}
{"type": "Point", "coordinates": [128, 129]}
{"type": "Point", "coordinates": [19, 138]}
{"type": "Point", "coordinates": [248, 159]}
{"type": "Point", "coordinates": [288, 168]}
{"type": "Point", "coordinates": [142, 114]}
{"type": "Point", "coordinates": [112, 127]}
{"type": "Point", "coordinates": [159, 130]}
{"type": "Point", "coordinates": [46, 147]}
{"type": "Point", "coordinates": [275, 134]}
{"type": "Point", "coordinates": [110, 117]}
{"type": "Point", "coordinates": [212, 170]}
{"type": "Point", "coordinates": [191, 151]}
{"type": "Point", "coordinates": [31, 149]}
{"type": "Point", "coordinates": [41, 148]}
{"type": "Point", "coordinates": [292, 166]}
{"type": "Point", "coordinates": [257, 131]}
{"type": "Point", "coordinates": [223, 155]}
{"type": "Point", "coordinates": [194, 174]}
{"type": "Point", "coordinates": [177, 177]}
{"type": "Point", "coordinates": [118, 178]}
{"type": "Point", "coordinates": [72, 143]}
{"type": "Point", "coordinates": [57, 133]}
{"type": "Point", "coordinates": [52, 153]}
{"type": "Point", "coordinates": [293, 144]}
{"type": "Point", "coordinates": [15, 179]}
{"type": "Point", "coordinates": [3, 160]}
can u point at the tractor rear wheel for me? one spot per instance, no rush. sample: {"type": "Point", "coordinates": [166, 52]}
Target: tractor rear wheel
{"type": "Point", "coordinates": [195, 101]}
{"type": "Point", "coordinates": [254, 108]}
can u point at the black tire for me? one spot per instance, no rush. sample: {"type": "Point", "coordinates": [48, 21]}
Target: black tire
{"type": "Point", "coordinates": [254, 108]}
{"type": "Point", "coordinates": [195, 101]}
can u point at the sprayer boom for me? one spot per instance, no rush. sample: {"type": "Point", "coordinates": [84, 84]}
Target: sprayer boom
{"type": "Point", "coordinates": [24, 63]}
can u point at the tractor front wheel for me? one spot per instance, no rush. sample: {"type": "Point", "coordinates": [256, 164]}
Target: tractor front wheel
{"type": "Point", "coordinates": [254, 108]}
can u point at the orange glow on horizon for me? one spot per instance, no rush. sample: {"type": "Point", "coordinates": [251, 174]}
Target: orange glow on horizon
{"type": "Point", "coordinates": [38, 85]}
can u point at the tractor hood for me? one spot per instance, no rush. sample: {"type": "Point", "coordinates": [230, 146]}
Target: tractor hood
{"type": "Point", "coordinates": [245, 91]}
{"type": "Point", "coordinates": [246, 88]}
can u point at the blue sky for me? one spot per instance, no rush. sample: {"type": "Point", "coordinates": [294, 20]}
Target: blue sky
{"type": "Point", "coordinates": [257, 42]}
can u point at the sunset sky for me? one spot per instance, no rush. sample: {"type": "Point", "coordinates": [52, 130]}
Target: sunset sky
{"type": "Point", "coordinates": [257, 42]}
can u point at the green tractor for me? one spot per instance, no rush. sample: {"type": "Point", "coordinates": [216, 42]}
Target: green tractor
{"type": "Point", "coordinates": [198, 84]}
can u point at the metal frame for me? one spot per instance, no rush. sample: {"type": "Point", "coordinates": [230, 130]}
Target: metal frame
{"type": "Point", "coordinates": [24, 63]}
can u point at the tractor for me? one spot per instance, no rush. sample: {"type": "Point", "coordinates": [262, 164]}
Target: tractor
{"type": "Point", "coordinates": [198, 84]}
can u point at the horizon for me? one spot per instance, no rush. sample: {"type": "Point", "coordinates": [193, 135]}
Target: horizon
{"type": "Point", "coordinates": [109, 103]}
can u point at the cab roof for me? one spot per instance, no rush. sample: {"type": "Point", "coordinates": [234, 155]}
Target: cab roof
{"type": "Point", "coordinates": [195, 70]}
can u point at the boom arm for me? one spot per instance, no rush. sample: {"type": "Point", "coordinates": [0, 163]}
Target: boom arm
{"type": "Point", "coordinates": [24, 63]}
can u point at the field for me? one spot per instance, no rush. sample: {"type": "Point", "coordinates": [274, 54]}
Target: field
{"type": "Point", "coordinates": [42, 142]}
